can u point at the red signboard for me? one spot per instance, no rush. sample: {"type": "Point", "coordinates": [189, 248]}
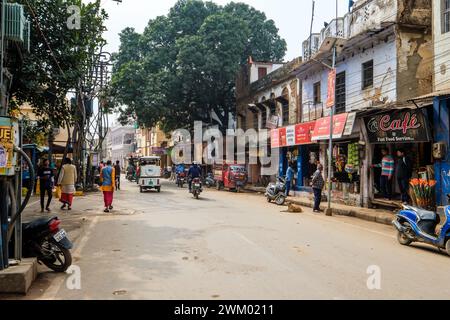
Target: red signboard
{"type": "Point", "coordinates": [331, 88]}
{"type": "Point", "coordinates": [275, 138]}
{"type": "Point", "coordinates": [303, 133]}
{"type": "Point", "coordinates": [292, 135]}
{"type": "Point", "coordinates": [283, 139]}
{"type": "Point", "coordinates": [322, 128]}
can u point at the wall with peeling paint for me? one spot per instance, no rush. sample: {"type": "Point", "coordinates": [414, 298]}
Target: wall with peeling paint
{"type": "Point", "coordinates": [415, 64]}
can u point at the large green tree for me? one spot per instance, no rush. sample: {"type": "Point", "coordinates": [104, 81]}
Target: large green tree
{"type": "Point", "coordinates": [183, 67]}
{"type": "Point", "coordinates": [60, 57]}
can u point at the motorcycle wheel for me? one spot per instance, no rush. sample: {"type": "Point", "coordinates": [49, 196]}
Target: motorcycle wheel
{"type": "Point", "coordinates": [403, 238]}
{"type": "Point", "coordinates": [280, 200]}
{"type": "Point", "coordinates": [269, 200]}
{"type": "Point", "coordinates": [61, 258]}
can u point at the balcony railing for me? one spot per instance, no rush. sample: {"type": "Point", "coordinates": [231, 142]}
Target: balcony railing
{"type": "Point", "coordinates": [311, 46]}
{"type": "Point", "coordinates": [334, 30]}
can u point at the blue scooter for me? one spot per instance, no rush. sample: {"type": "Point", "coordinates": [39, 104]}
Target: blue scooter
{"type": "Point", "coordinates": [418, 225]}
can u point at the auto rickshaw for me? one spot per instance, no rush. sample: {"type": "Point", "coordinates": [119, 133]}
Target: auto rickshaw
{"type": "Point", "coordinates": [231, 176]}
{"type": "Point", "coordinates": [150, 173]}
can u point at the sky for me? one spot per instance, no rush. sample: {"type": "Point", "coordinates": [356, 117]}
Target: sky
{"type": "Point", "coordinates": [292, 17]}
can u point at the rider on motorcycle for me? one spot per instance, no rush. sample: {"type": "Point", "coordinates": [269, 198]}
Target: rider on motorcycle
{"type": "Point", "coordinates": [194, 172]}
{"type": "Point", "coordinates": [179, 170]}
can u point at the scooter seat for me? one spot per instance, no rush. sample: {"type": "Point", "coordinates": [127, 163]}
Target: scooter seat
{"type": "Point", "coordinates": [424, 215]}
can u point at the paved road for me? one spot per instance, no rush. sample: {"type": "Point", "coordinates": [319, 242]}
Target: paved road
{"type": "Point", "coordinates": [236, 246]}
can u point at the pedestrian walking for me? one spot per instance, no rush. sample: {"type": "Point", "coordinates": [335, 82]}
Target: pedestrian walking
{"type": "Point", "coordinates": [67, 180]}
{"type": "Point", "coordinates": [387, 166]}
{"type": "Point", "coordinates": [46, 180]}
{"type": "Point", "coordinates": [317, 184]}
{"type": "Point", "coordinates": [107, 178]}
{"type": "Point", "coordinates": [173, 174]}
{"type": "Point", "coordinates": [290, 172]}
{"type": "Point", "coordinates": [117, 171]}
{"type": "Point", "coordinates": [404, 174]}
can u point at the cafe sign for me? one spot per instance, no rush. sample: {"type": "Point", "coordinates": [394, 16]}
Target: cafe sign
{"type": "Point", "coordinates": [405, 126]}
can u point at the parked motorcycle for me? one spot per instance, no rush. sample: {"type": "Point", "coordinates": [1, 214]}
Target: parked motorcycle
{"type": "Point", "coordinates": [196, 187]}
{"type": "Point", "coordinates": [277, 192]}
{"type": "Point", "coordinates": [43, 239]}
{"type": "Point", "coordinates": [418, 225]}
{"type": "Point", "coordinates": [210, 182]}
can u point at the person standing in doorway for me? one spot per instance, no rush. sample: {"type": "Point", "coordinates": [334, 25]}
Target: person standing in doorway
{"type": "Point", "coordinates": [117, 171]}
{"type": "Point", "coordinates": [290, 172]}
{"type": "Point", "coordinates": [317, 185]}
{"type": "Point", "coordinates": [107, 178]}
{"type": "Point", "coordinates": [404, 174]}
{"type": "Point", "coordinates": [46, 180]}
{"type": "Point", "coordinates": [67, 180]}
{"type": "Point", "coordinates": [387, 166]}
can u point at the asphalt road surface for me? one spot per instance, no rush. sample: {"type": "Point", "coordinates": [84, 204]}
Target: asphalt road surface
{"type": "Point", "coordinates": [234, 246]}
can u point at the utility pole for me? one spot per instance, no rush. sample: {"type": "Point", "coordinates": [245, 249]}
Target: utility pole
{"type": "Point", "coordinates": [329, 211]}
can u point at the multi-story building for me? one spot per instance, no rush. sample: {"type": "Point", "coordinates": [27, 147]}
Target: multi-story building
{"type": "Point", "coordinates": [267, 98]}
{"type": "Point", "coordinates": [122, 141]}
{"type": "Point", "coordinates": [439, 99]}
{"type": "Point", "coordinates": [153, 142]}
{"type": "Point", "coordinates": [384, 58]}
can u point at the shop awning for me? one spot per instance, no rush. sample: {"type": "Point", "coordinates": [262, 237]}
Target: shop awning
{"type": "Point", "coordinates": [427, 99]}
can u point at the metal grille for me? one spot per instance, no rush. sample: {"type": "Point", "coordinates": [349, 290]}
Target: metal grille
{"type": "Point", "coordinates": [15, 22]}
{"type": "Point", "coordinates": [340, 93]}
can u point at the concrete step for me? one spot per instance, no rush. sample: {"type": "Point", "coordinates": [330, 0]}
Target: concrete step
{"type": "Point", "coordinates": [18, 279]}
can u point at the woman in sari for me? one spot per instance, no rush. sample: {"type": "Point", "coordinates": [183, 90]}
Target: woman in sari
{"type": "Point", "coordinates": [67, 180]}
{"type": "Point", "coordinates": [108, 180]}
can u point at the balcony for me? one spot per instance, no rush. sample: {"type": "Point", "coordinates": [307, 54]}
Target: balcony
{"type": "Point", "coordinates": [311, 46]}
{"type": "Point", "coordinates": [334, 30]}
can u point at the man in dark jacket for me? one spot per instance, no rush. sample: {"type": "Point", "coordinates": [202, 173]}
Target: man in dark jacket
{"type": "Point", "coordinates": [118, 170]}
{"type": "Point", "coordinates": [46, 181]}
{"type": "Point", "coordinates": [404, 174]}
{"type": "Point", "coordinates": [194, 172]}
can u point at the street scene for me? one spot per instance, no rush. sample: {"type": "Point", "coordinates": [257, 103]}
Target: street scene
{"type": "Point", "coordinates": [224, 151]}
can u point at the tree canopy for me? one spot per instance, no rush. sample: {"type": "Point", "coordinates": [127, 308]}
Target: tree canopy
{"type": "Point", "coordinates": [183, 67]}
{"type": "Point", "coordinates": [59, 59]}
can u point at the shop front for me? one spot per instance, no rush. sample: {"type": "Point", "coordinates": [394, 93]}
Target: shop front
{"type": "Point", "coordinates": [408, 130]}
{"type": "Point", "coordinates": [294, 143]}
{"type": "Point", "coordinates": [346, 163]}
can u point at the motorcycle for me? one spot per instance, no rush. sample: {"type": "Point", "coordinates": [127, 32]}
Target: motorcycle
{"type": "Point", "coordinates": [131, 177]}
{"type": "Point", "coordinates": [418, 225]}
{"type": "Point", "coordinates": [43, 239]}
{"type": "Point", "coordinates": [277, 192]}
{"type": "Point", "coordinates": [196, 188]}
{"type": "Point", "coordinates": [210, 182]}
{"type": "Point", "coordinates": [181, 179]}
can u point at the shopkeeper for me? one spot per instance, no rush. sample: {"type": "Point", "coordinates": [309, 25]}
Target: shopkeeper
{"type": "Point", "coordinates": [404, 174]}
